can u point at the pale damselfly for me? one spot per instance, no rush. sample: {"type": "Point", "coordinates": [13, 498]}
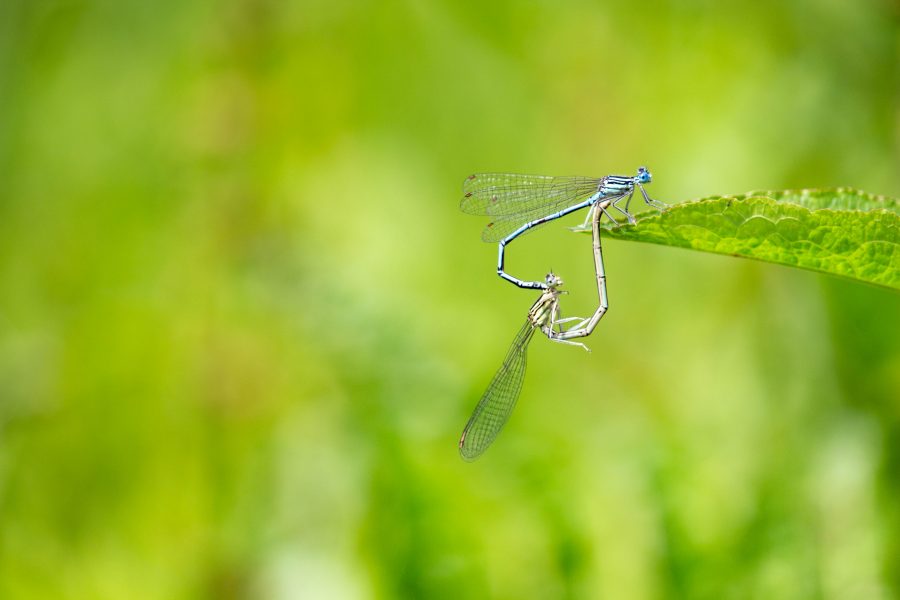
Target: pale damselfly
{"type": "Point", "coordinates": [499, 399]}
{"type": "Point", "coordinates": [519, 203]}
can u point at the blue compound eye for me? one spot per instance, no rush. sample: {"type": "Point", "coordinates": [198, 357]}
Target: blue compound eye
{"type": "Point", "coordinates": [643, 175]}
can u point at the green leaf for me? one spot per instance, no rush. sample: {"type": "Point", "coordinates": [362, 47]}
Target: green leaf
{"type": "Point", "coordinates": [840, 231]}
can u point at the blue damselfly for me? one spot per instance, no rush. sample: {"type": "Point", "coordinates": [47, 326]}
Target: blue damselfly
{"type": "Point", "coordinates": [519, 203]}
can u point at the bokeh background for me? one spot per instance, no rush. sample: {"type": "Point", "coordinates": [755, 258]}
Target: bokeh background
{"type": "Point", "coordinates": [242, 321]}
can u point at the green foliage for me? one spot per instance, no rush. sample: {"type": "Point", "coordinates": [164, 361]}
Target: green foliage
{"type": "Point", "coordinates": [840, 231]}
{"type": "Point", "coordinates": [243, 322]}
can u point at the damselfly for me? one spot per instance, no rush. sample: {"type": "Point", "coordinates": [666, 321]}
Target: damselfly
{"type": "Point", "coordinates": [519, 203]}
{"type": "Point", "coordinates": [499, 399]}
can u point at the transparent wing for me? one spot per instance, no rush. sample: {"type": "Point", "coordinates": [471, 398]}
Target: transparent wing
{"type": "Point", "coordinates": [497, 194]}
{"type": "Point", "coordinates": [499, 399]}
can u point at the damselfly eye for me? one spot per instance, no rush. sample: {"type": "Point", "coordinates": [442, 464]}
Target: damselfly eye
{"type": "Point", "coordinates": [643, 175]}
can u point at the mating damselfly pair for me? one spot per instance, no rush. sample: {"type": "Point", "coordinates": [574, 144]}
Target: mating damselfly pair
{"type": "Point", "coordinates": [518, 204]}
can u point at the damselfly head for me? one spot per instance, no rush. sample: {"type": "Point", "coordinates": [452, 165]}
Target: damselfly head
{"type": "Point", "coordinates": [643, 175]}
{"type": "Point", "coordinates": [553, 280]}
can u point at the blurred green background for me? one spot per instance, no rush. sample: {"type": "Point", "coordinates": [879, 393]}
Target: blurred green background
{"type": "Point", "coordinates": [242, 321]}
